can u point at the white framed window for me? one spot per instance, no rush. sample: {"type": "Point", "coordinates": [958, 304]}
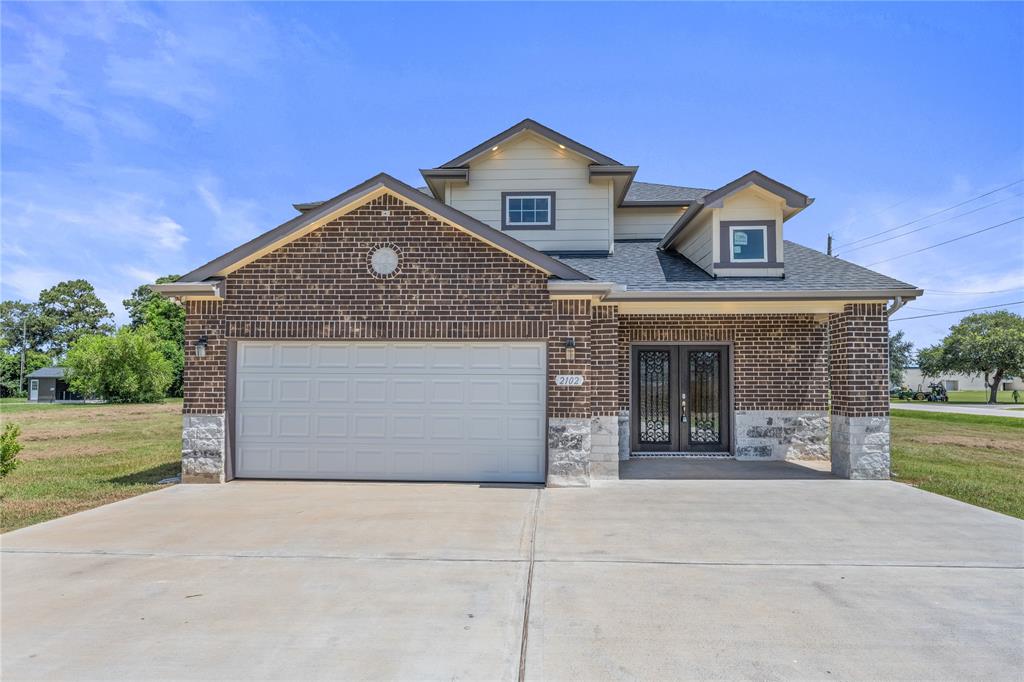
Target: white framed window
{"type": "Point", "coordinates": [528, 210]}
{"type": "Point", "coordinates": [33, 385]}
{"type": "Point", "coordinates": [749, 243]}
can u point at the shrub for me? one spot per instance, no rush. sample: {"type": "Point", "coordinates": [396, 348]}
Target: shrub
{"type": "Point", "coordinates": [9, 449]}
{"type": "Point", "coordinates": [128, 367]}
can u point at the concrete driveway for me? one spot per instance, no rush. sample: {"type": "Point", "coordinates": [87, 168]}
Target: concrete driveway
{"type": "Point", "coordinates": [792, 578]}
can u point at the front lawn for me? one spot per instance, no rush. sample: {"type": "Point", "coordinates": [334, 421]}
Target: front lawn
{"type": "Point", "coordinates": [77, 457]}
{"type": "Point", "coordinates": [972, 458]}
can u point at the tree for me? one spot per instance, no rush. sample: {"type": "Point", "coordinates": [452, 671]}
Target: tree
{"type": "Point", "coordinates": [70, 310]}
{"type": "Point", "coordinates": [167, 320]}
{"type": "Point", "coordinates": [984, 343]}
{"type": "Point", "coordinates": [17, 317]}
{"type": "Point", "coordinates": [128, 367]}
{"type": "Point", "coordinates": [10, 368]}
{"type": "Point", "coordinates": [900, 353]}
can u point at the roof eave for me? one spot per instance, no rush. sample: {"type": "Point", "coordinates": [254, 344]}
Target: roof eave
{"type": "Point", "coordinates": [537, 128]}
{"type": "Point", "coordinates": [362, 192]}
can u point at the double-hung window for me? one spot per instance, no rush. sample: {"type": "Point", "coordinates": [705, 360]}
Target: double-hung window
{"type": "Point", "coordinates": [528, 210]}
{"type": "Point", "coordinates": [749, 243]}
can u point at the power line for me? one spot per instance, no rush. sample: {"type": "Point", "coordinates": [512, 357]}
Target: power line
{"type": "Point", "coordinates": [925, 217]}
{"type": "Point", "coordinates": [925, 227]}
{"type": "Point", "coordinates": [948, 241]}
{"type": "Point", "coordinates": [972, 293]}
{"type": "Point", "coordinates": [953, 312]}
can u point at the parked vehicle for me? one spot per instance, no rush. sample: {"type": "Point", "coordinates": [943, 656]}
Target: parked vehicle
{"type": "Point", "coordinates": [902, 393]}
{"type": "Point", "coordinates": [937, 393]}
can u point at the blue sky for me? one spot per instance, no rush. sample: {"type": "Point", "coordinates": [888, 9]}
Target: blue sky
{"type": "Point", "coordinates": [139, 140]}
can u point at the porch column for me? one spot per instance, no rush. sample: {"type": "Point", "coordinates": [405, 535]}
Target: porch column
{"type": "Point", "coordinates": [569, 416]}
{"type": "Point", "coordinates": [859, 379]}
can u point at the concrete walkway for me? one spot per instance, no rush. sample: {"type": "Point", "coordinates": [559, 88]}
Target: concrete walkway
{"type": "Point", "coordinates": [992, 411]}
{"type": "Point", "coordinates": [793, 578]}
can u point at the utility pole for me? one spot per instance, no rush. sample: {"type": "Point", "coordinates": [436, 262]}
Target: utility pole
{"type": "Point", "coordinates": [829, 249]}
{"type": "Point", "coordinates": [24, 337]}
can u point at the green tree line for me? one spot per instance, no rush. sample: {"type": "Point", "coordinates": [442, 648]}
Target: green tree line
{"type": "Point", "coordinates": [69, 325]}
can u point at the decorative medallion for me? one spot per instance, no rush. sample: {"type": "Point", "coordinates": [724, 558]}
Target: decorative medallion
{"type": "Point", "coordinates": [384, 260]}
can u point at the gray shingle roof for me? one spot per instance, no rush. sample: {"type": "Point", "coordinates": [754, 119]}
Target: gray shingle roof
{"type": "Point", "coordinates": [641, 266]}
{"type": "Point", "coordinates": [638, 191]}
{"type": "Point", "coordinates": [651, 191]}
{"type": "Point", "coordinates": [47, 373]}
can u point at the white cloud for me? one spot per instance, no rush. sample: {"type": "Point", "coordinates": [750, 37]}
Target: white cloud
{"type": "Point", "coordinates": [26, 281]}
{"type": "Point", "coordinates": [234, 219]}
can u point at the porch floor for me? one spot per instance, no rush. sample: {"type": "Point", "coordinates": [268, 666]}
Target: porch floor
{"type": "Point", "coordinates": [674, 468]}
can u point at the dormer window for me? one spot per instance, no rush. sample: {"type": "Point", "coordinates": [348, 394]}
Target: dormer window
{"type": "Point", "coordinates": [528, 210]}
{"type": "Point", "coordinates": [749, 243]}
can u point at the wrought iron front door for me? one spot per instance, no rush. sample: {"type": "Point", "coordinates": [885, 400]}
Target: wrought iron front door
{"type": "Point", "coordinates": [680, 398]}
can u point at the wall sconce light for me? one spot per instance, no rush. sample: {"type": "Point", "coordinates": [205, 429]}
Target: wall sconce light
{"type": "Point", "coordinates": [201, 346]}
{"type": "Point", "coordinates": [570, 349]}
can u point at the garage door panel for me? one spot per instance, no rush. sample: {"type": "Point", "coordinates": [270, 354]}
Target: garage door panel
{"type": "Point", "coordinates": [332, 390]}
{"type": "Point", "coordinates": [294, 390]}
{"type": "Point", "coordinates": [332, 357]}
{"type": "Point", "coordinates": [295, 356]}
{"type": "Point", "coordinates": [256, 390]}
{"type": "Point", "coordinates": [406, 411]}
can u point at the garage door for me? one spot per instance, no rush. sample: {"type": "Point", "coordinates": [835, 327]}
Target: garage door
{"type": "Point", "coordinates": [391, 411]}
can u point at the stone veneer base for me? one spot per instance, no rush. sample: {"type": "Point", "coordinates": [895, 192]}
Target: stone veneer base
{"type": "Point", "coordinates": [202, 448]}
{"type": "Point", "coordinates": [604, 447]}
{"type": "Point", "coordinates": [569, 444]}
{"type": "Point", "coordinates": [781, 434]}
{"type": "Point", "coordinates": [860, 447]}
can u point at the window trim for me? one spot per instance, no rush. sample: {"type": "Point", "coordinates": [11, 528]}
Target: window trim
{"type": "Point", "coordinates": [33, 385]}
{"type": "Point", "coordinates": [506, 225]}
{"type": "Point", "coordinates": [732, 244]}
{"type": "Point", "coordinates": [725, 262]}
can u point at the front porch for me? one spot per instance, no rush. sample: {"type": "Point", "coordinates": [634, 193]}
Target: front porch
{"type": "Point", "coordinates": [758, 389]}
{"type": "Point", "coordinates": [720, 469]}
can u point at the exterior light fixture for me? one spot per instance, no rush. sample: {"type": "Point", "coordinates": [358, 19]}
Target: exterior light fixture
{"type": "Point", "coordinates": [494, 148]}
{"type": "Point", "coordinates": [570, 349]}
{"type": "Point", "coordinates": [561, 146]}
{"type": "Point", "coordinates": [201, 346]}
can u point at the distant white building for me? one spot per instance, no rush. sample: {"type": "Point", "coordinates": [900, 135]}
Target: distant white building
{"type": "Point", "coordinates": [914, 379]}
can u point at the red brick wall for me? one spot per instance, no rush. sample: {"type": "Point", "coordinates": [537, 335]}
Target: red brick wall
{"type": "Point", "coordinates": [779, 361]}
{"type": "Point", "coordinates": [204, 377]}
{"type": "Point", "coordinates": [571, 320]}
{"type": "Point", "coordinates": [604, 361]}
{"type": "Point", "coordinates": [859, 348]}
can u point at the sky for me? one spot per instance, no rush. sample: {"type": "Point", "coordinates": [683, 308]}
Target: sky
{"type": "Point", "coordinates": [145, 139]}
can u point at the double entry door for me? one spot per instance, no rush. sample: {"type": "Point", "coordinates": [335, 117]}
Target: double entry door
{"type": "Point", "coordinates": [680, 398]}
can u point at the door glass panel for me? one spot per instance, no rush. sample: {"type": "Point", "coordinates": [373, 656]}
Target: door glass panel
{"type": "Point", "coordinates": [654, 395]}
{"type": "Point", "coordinates": [705, 416]}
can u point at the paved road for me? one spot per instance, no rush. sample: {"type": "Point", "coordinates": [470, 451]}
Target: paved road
{"type": "Point", "coordinates": [786, 578]}
{"type": "Point", "coordinates": [960, 409]}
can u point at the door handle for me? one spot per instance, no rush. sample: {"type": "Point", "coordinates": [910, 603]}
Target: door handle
{"type": "Point", "coordinates": [682, 407]}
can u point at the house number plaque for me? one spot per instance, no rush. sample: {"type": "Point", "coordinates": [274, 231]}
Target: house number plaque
{"type": "Point", "coordinates": [569, 380]}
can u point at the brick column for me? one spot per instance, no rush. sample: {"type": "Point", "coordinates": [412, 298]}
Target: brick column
{"type": "Point", "coordinates": [203, 430]}
{"type": "Point", "coordinates": [569, 412]}
{"type": "Point", "coordinates": [859, 379]}
{"type": "Point", "coordinates": [604, 392]}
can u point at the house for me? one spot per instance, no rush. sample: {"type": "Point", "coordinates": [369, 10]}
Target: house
{"type": "Point", "coordinates": [917, 381]}
{"type": "Point", "coordinates": [533, 314]}
{"type": "Point", "coordinates": [47, 385]}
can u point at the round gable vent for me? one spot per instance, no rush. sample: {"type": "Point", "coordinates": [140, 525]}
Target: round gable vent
{"type": "Point", "coordinates": [384, 260]}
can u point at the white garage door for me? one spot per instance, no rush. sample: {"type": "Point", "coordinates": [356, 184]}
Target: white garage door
{"type": "Point", "coordinates": [391, 411]}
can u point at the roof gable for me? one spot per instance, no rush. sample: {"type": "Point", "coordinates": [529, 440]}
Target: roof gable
{"type": "Point", "coordinates": [359, 195]}
{"type": "Point", "coordinates": [529, 125]}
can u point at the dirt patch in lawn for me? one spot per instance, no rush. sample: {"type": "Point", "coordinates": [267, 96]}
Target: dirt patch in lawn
{"type": "Point", "coordinates": [44, 449]}
{"type": "Point", "coordinates": [999, 444]}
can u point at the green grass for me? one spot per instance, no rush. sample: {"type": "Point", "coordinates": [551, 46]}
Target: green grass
{"type": "Point", "coordinates": [973, 458]}
{"type": "Point", "coordinates": [77, 457]}
{"type": "Point", "coordinates": [973, 397]}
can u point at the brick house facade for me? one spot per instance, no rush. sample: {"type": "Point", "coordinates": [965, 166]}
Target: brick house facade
{"type": "Point", "coordinates": [780, 348]}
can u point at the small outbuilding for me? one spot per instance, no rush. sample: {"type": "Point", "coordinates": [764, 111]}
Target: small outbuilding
{"type": "Point", "coordinates": [47, 385]}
